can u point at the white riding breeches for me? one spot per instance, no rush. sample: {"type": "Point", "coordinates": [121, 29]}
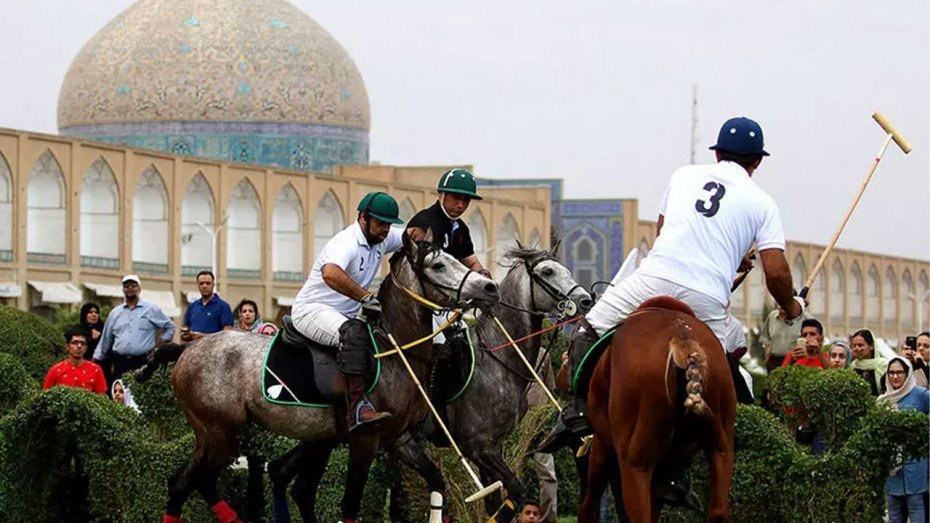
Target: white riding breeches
{"type": "Point", "coordinates": [320, 323]}
{"type": "Point", "coordinates": [620, 300]}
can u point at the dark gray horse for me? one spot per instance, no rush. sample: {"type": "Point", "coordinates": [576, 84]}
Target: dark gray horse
{"type": "Point", "coordinates": [490, 409]}
{"type": "Point", "coordinates": [218, 384]}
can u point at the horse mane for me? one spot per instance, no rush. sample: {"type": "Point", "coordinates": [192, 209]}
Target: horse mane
{"type": "Point", "coordinates": [521, 254]}
{"type": "Point", "coordinates": [668, 303]}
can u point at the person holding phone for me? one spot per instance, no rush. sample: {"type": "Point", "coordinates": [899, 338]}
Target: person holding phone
{"type": "Point", "coordinates": [909, 352]}
{"type": "Point", "coordinates": [807, 350]}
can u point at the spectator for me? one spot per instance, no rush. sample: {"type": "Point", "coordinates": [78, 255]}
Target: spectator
{"type": "Point", "coordinates": [529, 512]}
{"type": "Point", "coordinates": [249, 318]}
{"type": "Point", "coordinates": [922, 356]}
{"type": "Point", "coordinates": [209, 314]}
{"type": "Point", "coordinates": [75, 371]}
{"type": "Point", "coordinates": [807, 351]}
{"type": "Point", "coordinates": [909, 352]}
{"type": "Point", "coordinates": [130, 331]}
{"type": "Point", "coordinates": [93, 327]}
{"type": "Point", "coordinates": [840, 354]}
{"type": "Point", "coordinates": [865, 362]}
{"type": "Point", "coordinates": [778, 338]}
{"type": "Point", "coordinates": [120, 394]}
{"type": "Point", "coordinates": [545, 463]}
{"type": "Point", "coordinates": [907, 485]}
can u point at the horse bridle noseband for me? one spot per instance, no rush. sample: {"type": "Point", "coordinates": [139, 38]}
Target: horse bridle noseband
{"type": "Point", "coordinates": [566, 304]}
{"type": "Point", "coordinates": [425, 279]}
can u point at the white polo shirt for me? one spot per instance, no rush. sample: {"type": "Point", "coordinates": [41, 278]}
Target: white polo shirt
{"type": "Point", "coordinates": [713, 215]}
{"type": "Point", "coordinates": [350, 251]}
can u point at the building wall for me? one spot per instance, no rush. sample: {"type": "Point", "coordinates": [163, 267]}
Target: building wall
{"type": "Point", "coordinates": [246, 240]}
{"type": "Point", "coordinates": [895, 311]}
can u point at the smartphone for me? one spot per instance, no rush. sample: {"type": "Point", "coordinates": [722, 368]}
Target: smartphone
{"type": "Point", "coordinates": [799, 347]}
{"type": "Point", "coordinates": [911, 342]}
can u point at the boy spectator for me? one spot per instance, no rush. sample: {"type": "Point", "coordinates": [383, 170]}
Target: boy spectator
{"type": "Point", "coordinates": [75, 371]}
{"type": "Point", "coordinates": [529, 512]}
{"type": "Point", "coordinates": [808, 354]}
{"type": "Point", "coordinates": [209, 314]}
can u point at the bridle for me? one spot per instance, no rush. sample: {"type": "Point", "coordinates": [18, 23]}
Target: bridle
{"type": "Point", "coordinates": [416, 267]}
{"type": "Point", "coordinates": [565, 304]}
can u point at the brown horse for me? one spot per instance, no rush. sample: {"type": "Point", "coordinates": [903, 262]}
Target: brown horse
{"type": "Point", "coordinates": [662, 392]}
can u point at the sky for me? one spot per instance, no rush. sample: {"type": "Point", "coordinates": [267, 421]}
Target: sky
{"type": "Point", "coordinates": [599, 93]}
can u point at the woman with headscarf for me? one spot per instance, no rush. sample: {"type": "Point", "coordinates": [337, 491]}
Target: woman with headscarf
{"type": "Point", "coordinates": [840, 355]}
{"type": "Point", "coordinates": [120, 394]}
{"type": "Point", "coordinates": [93, 327]}
{"type": "Point", "coordinates": [907, 485]}
{"type": "Point", "coordinates": [865, 362]}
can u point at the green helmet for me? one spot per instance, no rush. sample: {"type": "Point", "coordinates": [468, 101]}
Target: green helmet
{"type": "Point", "coordinates": [459, 181]}
{"type": "Point", "coordinates": [380, 205]}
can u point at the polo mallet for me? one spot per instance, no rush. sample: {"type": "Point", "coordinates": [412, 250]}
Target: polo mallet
{"type": "Point", "coordinates": [891, 134]}
{"type": "Point", "coordinates": [482, 490]}
{"type": "Point", "coordinates": [585, 442]}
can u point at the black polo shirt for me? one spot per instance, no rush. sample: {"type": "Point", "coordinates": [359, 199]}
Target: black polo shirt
{"type": "Point", "coordinates": [453, 236]}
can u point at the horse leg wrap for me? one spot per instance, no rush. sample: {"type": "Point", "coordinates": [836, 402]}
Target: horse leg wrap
{"type": "Point", "coordinates": [505, 513]}
{"type": "Point", "coordinates": [224, 513]}
{"type": "Point", "coordinates": [279, 510]}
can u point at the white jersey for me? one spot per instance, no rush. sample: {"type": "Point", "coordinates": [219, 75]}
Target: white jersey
{"type": "Point", "coordinates": [713, 215]}
{"type": "Point", "coordinates": [350, 251]}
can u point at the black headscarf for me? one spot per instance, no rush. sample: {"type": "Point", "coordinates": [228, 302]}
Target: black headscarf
{"type": "Point", "coordinates": [88, 327]}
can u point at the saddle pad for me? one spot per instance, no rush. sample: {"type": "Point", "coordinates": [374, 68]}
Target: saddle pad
{"type": "Point", "coordinates": [461, 370]}
{"type": "Point", "coordinates": [308, 376]}
{"type": "Point", "coordinates": [586, 367]}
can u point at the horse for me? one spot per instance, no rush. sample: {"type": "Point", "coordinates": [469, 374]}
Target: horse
{"type": "Point", "coordinates": [217, 381]}
{"type": "Point", "coordinates": [648, 424]}
{"type": "Point", "coordinates": [535, 285]}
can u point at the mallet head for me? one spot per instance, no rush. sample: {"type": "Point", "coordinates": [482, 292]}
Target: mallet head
{"type": "Point", "coordinates": [888, 128]}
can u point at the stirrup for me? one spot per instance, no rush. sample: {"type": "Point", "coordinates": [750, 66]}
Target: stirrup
{"type": "Point", "coordinates": [358, 422]}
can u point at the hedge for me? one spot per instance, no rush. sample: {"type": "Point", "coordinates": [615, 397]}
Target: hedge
{"type": "Point", "coordinates": [36, 343]}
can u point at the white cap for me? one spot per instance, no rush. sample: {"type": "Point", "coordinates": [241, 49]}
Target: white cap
{"type": "Point", "coordinates": [132, 277]}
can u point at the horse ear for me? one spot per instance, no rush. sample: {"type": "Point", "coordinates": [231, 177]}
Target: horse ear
{"type": "Point", "coordinates": [409, 247]}
{"type": "Point", "coordinates": [554, 250]}
{"type": "Point", "coordinates": [428, 237]}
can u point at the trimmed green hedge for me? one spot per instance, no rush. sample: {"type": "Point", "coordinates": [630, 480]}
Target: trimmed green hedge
{"type": "Point", "coordinates": [36, 343]}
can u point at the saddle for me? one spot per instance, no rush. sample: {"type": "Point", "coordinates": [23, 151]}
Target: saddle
{"type": "Point", "coordinates": [299, 371]}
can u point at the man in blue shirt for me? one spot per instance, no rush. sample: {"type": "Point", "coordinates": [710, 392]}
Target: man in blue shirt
{"type": "Point", "coordinates": [130, 330]}
{"type": "Point", "coordinates": [207, 315]}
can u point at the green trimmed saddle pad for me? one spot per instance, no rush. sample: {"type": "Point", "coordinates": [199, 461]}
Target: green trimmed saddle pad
{"type": "Point", "coordinates": [589, 361]}
{"type": "Point", "coordinates": [300, 372]}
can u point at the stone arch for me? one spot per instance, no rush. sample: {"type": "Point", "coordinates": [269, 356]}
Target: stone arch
{"type": "Point", "coordinates": [197, 206]}
{"type": "Point", "coordinates": [799, 271]}
{"type": "Point", "coordinates": [890, 297]}
{"type": "Point", "coordinates": [837, 291]}
{"type": "Point", "coordinates": [150, 222]}
{"type": "Point", "coordinates": [585, 247]}
{"type": "Point", "coordinates": [478, 228]}
{"type": "Point", "coordinates": [535, 239]}
{"type": "Point", "coordinates": [287, 235]}
{"type": "Point", "coordinates": [856, 291]}
{"type": "Point", "coordinates": [923, 294]}
{"type": "Point", "coordinates": [100, 237]}
{"type": "Point", "coordinates": [908, 300]}
{"type": "Point", "coordinates": [508, 235]}
{"type": "Point", "coordinates": [872, 295]}
{"type": "Point", "coordinates": [45, 215]}
{"type": "Point", "coordinates": [328, 220]}
{"type": "Point", "coordinates": [244, 231]}
{"type": "Point", "coordinates": [6, 211]}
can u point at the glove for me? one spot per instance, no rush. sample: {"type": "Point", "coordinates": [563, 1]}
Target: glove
{"type": "Point", "coordinates": [371, 308]}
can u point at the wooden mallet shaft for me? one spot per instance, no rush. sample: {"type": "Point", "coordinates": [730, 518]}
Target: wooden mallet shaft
{"type": "Point", "coordinates": [891, 134]}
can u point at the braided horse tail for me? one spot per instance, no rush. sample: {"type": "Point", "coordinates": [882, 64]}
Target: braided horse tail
{"type": "Point", "coordinates": [687, 354]}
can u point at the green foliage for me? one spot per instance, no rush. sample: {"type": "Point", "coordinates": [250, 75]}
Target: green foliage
{"type": "Point", "coordinates": [16, 385]}
{"type": "Point", "coordinates": [36, 343]}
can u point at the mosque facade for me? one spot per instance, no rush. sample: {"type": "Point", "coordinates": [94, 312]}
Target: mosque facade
{"type": "Point", "coordinates": [233, 135]}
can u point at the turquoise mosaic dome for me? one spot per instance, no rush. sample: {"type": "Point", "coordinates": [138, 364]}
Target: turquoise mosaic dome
{"type": "Point", "coordinates": [250, 81]}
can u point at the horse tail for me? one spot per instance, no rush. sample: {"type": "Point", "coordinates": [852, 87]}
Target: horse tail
{"type": "Point", "coordinates": [687, 354]}
{"type": "Point", "coordinates": [161, 356]}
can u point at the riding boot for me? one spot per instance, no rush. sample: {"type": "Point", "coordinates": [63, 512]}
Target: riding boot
{"type": "Point", "coordinates": [680, 494]}
{"type": "Point", "coordinates": [438, 390]}
{"type": "Point", "coordinates": [360, 411]}
{"type": "Point", "coordinates": [743, 394]}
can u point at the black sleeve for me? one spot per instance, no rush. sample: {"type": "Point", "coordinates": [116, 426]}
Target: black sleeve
{"type": "Point", "coordinates": [467, 248]}
{"type": "Point", "coordinates": [420, 220]}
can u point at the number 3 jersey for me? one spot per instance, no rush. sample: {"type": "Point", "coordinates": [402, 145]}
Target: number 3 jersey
{"type": "Point", "coordinates": [713, 215]}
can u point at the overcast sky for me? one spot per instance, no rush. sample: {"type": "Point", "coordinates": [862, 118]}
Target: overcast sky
{"type": "Point", "coordinates": [599, 93]}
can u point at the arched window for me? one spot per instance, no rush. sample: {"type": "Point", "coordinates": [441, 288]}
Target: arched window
{"type": "Point", "coordinates": [584, 251]}
{"type": "Point", "coordinates": [908, 298]}
{"type": "Point", "coordinates": [100, 238]}
{"type": "Point", "coordinates": [757, 292]}
{"type": "Point", "coordinates": [890, 298]}
{"type": "Point", "coordinates": [407, 210]}
{"type": "Point", "coordinates": [923, 294]}
{"type": "Point", "coordinates": [244, 232]}
{"type": "Point", "coordinates": [45, 215]}
{"type": "Point", "coordinates": [856, 291]}
{"type": "Point", "coordinates": [6, 211]}
{"type": "Point", "coordinates": [508, 234]}
{"type": "Point", "coordinates": [479, 236]}
{"type": "Point", "coordinates": [328, 220]}
{"type": "Point", "coordinates": [197, 207]}
{"type": "Point", "coordinates": [535, 239]}
{"type": "Point", "coordinates": [872, 296]}
{"type": "Point", "coordinates": [837, 292]}
{"type": "Point", "coordinates": [584, 260]}
{"type": "Point", "coordinates": [150, 223]}
{"type": "Point", "coordinates": [287, 236]}
{"type": "Point", "coordinates": [798, 272]}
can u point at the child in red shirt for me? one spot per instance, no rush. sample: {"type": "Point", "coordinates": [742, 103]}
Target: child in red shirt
{"type": "Point", "coordinates": [75, 371]}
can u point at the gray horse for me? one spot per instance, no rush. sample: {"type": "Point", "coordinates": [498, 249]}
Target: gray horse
{"type": "Point", "coordinates": [491, 407]}
{"type": "Point", "coordinates": [217, 381]}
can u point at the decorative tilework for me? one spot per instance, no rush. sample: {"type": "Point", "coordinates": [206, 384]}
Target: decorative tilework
{"type": "Point", "coordinates": [45, 258]}
{"type": "Point", "coordinates": [244, 274]}
{"type": "Point", "coordinates": [192, 270]}
{"type": "Point", "coordinates": [6, 255]}
{"type": "Point", "coordinates": [150, 268]}
{"type": "Point", "coordinates": [289, 276]}
{"type": "Point", "coordinates": [99, 263]}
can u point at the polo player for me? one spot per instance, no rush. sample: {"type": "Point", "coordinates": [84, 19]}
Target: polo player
{"type": "Point", "coordinates": [336, 291]}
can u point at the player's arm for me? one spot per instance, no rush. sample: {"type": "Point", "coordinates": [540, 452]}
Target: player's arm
{"type": "Point", "coordinates": [778, 281]}
{"type": "Point", "coordinates": [339, 281]}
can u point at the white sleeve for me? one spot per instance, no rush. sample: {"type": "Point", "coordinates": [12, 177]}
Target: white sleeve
{"type": "Point", "coordinates": [664, 203]}
{"type": "Point", "coordinates": [394, 241]}
{"type": "Point", "coordinates": [770, 234]}
{"type": "Point", "coordinates": [332, 253]}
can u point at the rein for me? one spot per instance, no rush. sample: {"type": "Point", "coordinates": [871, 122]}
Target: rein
{"type": "Point", "coordinates": [566, 305]}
